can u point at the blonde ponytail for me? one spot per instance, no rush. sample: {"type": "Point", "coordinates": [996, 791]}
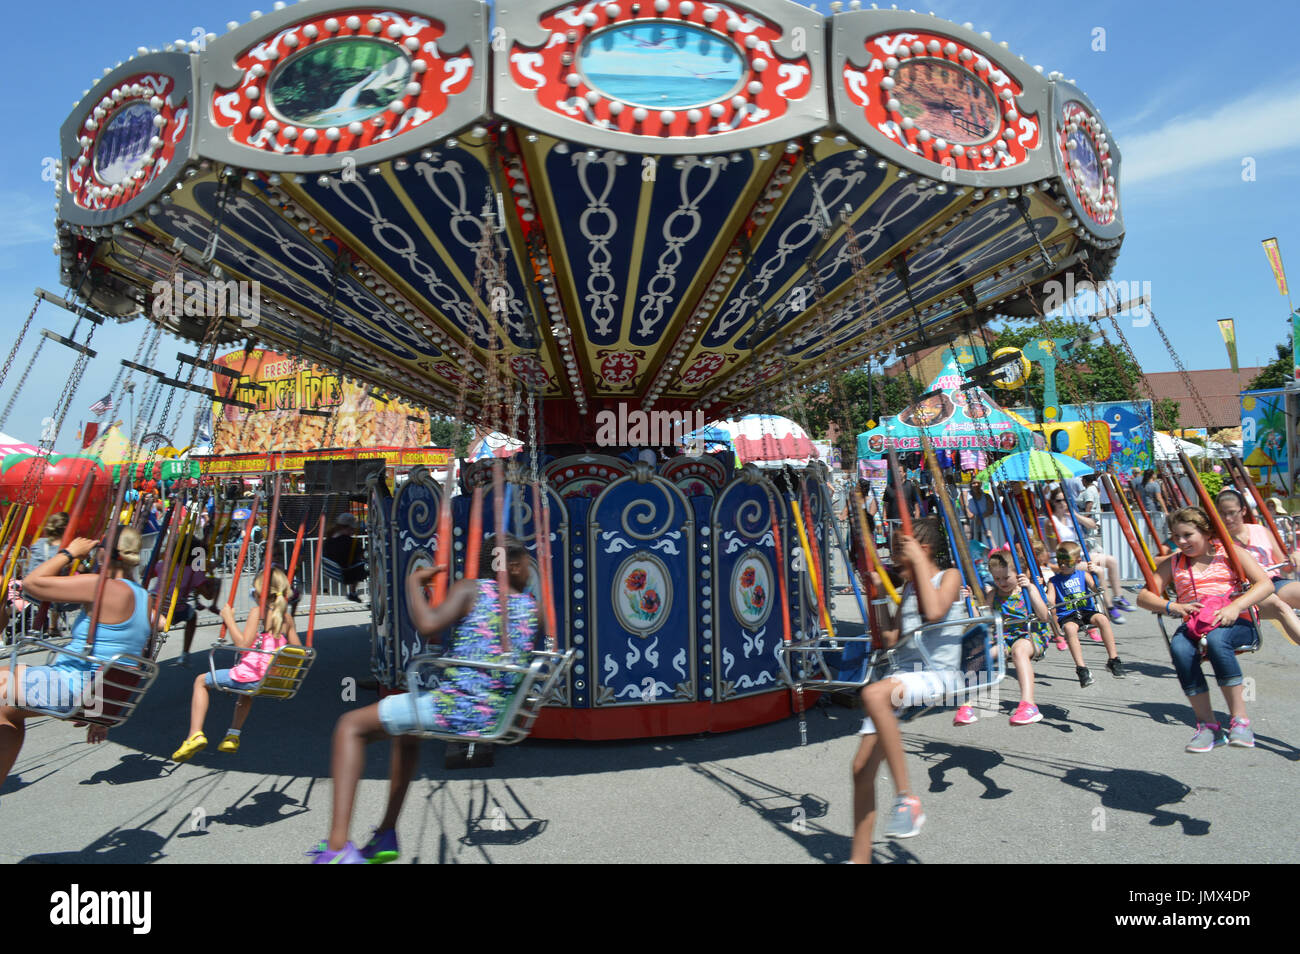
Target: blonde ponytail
{"type": "Point", "coordinates": [277, 603]}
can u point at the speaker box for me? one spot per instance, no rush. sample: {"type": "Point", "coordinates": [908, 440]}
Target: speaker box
{"type": "Point", "coordinates": [342, 476]}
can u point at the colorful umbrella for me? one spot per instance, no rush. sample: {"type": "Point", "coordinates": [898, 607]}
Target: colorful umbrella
{"type": "Point", "coordinates": [1034, 465]}
{"type": "Point", "coordinates": [495, 444]}
{"type": "Point", "coordinates": [764, 440]}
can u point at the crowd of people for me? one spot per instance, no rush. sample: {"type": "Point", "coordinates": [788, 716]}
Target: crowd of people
{"type": "Point", "coordinates": [1215, 600]}
{"type": "Point", "coordinates": [1061, 593]}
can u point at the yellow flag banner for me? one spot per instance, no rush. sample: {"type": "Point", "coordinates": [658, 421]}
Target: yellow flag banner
{"type": "Point", "coordinates": [1275, 262]}
{"type": "Point", "coordinates": [1229, 332]}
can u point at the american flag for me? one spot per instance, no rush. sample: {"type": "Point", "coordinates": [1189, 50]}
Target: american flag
{"type": "Point", "coordinates": [103, 406]}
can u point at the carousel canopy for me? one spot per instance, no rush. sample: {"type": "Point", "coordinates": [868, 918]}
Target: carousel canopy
{"type": "Point", "coordinates": [954, 415]}
{"type": "Point", "coordinates": [677, 206]}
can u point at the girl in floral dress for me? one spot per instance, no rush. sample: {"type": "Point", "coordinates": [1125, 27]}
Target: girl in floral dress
{"type": "Point", "coordinates": [465, 701]}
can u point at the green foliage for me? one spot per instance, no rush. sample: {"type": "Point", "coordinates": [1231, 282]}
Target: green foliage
{"type": "Point", "coordinates": [444, 432]}
{"type": "Point", "coordinates": [1277, 373]}
{"type": "Point", "coordinates": [1097, 373]}
{"type": "Point", "coordinates": [867, 397]}
{"type": "Point", "coordinates": [1213, 482]}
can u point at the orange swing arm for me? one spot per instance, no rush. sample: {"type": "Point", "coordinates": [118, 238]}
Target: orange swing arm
{"type": "Point", "coordinates": [239, 564]}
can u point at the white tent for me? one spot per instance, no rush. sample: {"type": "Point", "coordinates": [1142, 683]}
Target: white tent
{"type": "Point", "coordinates": [1168, 446]}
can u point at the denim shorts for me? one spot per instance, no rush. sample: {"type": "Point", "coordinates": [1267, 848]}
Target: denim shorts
{"type": "Point", "coordinates": [224, 681]}
{"type": "Point", "coordinates": [59, 690]}
{"type": "Point", "coordinates": [407, 712]}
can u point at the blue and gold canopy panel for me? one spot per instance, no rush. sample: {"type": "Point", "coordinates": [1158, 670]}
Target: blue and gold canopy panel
{"type": "Point", "coordinates": [675, 205]}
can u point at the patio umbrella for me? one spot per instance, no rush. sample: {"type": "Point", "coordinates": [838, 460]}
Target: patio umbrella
{"type": "Point", "coordinates": [1034, 465]}
{"type": "Point", "coordinates": [495, 444]}
{"type": "Point", "coordinates": [767, 440]}
{"type": "Point", "coordinates": [714, 434]}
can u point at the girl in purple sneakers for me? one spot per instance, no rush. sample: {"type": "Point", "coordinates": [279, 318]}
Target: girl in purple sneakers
{"type": "Point", "coordinates": [466, 701]}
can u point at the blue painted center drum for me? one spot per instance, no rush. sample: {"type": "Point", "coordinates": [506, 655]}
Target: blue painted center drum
{"type": "Point", "coordinates": [666, 582]}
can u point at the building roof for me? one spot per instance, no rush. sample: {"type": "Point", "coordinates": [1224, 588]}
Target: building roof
{"type": "Point", "coordinates": [1219, 388]}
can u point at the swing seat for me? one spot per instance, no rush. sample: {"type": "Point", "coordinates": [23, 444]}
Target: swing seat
{"type": "Point", "coordinates": [537, 684]}
{"type": "Point", "coordinates": [333, 570]}
{"type": "Point", "coordinates": [1244, 650]}
{"type": "Point", "coordinates": [284, 674]}
{"type": "Point", "coordinates": [850, 663]}
{"type": "Point", "coordinates": [120, 684]}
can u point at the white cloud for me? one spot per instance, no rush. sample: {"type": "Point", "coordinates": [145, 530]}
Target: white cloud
{"type": "Point", "coordinates": [1251, 125]}
{"type": "Point", "coordinates": [27, 220]}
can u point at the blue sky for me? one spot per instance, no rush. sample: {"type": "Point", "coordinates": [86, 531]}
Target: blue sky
{"type": "Point", "coordinates": [1189, 90]}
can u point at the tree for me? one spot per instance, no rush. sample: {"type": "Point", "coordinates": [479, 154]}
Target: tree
{"type": "Point", "coordinates": [866, 396]}
{"type": "Point", "coordinates": [444, 432]}
{"type": "Point", "coordinates": [1167, 414]}
{"type": "Point", "coordinates": [1088, 373]}
{"type": "Point", "coordinates": [1277, 373]}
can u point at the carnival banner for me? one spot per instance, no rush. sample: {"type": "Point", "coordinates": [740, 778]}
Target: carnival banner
{"type": "Point", "coordinates": [1263, 438]}
{"type": "Point", "coordinates": [1275, 262]}
{"type": "Point", "coordinates": [279, 387]}
{"type": "Point", "coordinates": [1227, 328]}
{"type": "Point", "coordinates": [1130, 423]}
{"type": "Point", "coordinates": [400, 458]}
{"type": "Point", "coordinates": [953, 416]}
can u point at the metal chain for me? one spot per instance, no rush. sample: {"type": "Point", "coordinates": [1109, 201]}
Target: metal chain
{"type": "Point", "coordinates": [127, 384]}
{"type": "Point", "coordinates": [9, 405]}
{"type": "Point", "coordinates": [1182, 372]}
{"type": "Point", "coordinates": [36, 475]}
{"type": "Point", "coordinates": [22, 333]}
{"type": "Point", "coordinates": [532, 436]}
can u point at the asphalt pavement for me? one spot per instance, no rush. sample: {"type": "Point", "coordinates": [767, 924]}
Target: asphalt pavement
{"type": "Point", "coordinates": [1103, 778]}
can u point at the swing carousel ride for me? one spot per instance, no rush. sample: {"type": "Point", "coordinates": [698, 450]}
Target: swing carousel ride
{"type": "Point", "coordinates": [535, 219]}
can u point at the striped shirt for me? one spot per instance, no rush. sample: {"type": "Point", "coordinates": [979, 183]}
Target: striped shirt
{"type": "Point", "coordinates": [1217, 579]}
{"type": "Point", "coordinates": [1260, 544]}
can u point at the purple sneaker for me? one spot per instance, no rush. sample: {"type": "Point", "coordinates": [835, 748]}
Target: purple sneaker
{"type": "Point", "coordinates": [321, 855]}
{"type": "Point", "coordinates": [1125, 605]}
{"type": "Point", "coordinates": [381, 848]}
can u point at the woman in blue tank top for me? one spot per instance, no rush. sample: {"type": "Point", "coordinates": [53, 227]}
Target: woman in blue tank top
{"type": "Point", "coordinates": [123, 628]}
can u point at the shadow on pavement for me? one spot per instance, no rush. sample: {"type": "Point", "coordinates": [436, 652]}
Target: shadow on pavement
{"type": "Point", "coordinates": [787, 812]}
{"type": "Point", "coordinates": [138, 767]}
{"type": "Point", "coordinates": [125, 847]}
{"type": "Point", "coordinates": [264, 808]}
{"type": "Point", "coordinates": [893, 853]}
{"type": "Point", "coordinates": [1142, 792]}
{"type": "Point", "coordinates": [976, 762]}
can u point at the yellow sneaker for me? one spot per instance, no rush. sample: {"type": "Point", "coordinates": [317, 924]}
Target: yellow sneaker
{"type": "Point", "coordinates": [229, 744]}
{"type": "Point", "coordinates": [190, 747]}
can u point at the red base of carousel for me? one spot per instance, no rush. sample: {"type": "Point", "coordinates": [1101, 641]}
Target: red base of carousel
{"type": "Point", "coordinates": [645, 722]}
